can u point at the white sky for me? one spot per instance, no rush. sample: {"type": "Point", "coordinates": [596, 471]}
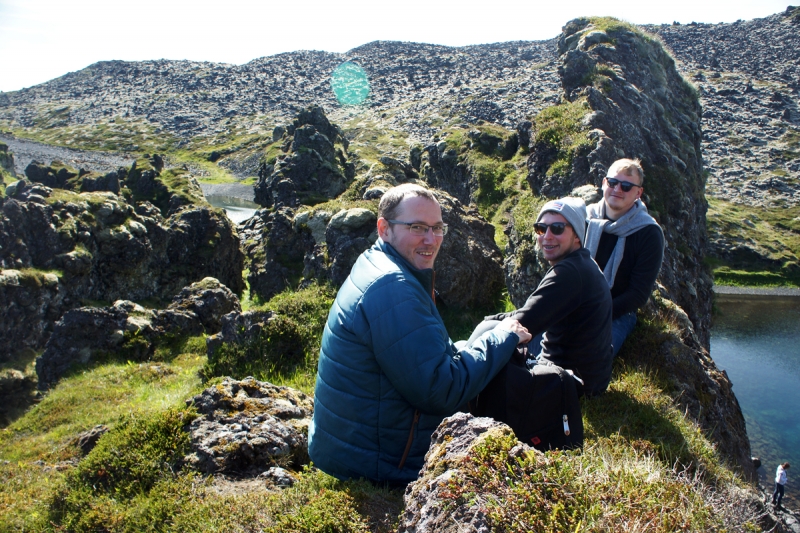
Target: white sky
{"type": "Point", "coordinates": [43, 39]}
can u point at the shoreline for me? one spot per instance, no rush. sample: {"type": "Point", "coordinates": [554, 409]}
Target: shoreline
{"type": "Point", "coordinates": [757, 291]}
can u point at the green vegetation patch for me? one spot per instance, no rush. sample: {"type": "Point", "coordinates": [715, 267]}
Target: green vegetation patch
{"type": "Point", "coordinates": [125, 465]}
{"type": "Point", "coordinates": [286, 350]}
{"type": "Point", "coordinates": [39, 447]}
{"type": "Point", "coordinates": [613, 485]}
{"type": "Point", "coordinates": [561, 129]}
{"type": "Point", "coordinates": [763, 244]}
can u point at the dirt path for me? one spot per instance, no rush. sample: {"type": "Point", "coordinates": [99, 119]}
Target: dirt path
{"type": "Point", "coordinates": [26, 151]}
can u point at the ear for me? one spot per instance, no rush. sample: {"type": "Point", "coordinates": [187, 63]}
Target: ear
{"type": "Point", "coordinates": [641, 192]}
{"type": "Point", "coordinates": [383, 229]}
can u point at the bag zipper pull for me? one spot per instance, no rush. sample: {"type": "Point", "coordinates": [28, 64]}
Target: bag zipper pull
{"type": "Point", "coordinates": [566, 425]}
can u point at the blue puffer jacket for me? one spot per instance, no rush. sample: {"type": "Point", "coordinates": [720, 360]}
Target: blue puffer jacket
{"type": "Point", "coordinates": [388, 373]}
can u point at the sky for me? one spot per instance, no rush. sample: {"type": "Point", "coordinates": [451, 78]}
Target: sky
{"type": "Point", "coordinates": [44, 39]}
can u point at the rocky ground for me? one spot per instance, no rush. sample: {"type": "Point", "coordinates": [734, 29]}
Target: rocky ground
{"type": "Point", "coordinates": [26, 151]}
{"type": "Point", "coordinates": [747, 73]}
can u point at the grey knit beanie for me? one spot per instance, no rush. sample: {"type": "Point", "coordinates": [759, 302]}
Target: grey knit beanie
{"type": "Point", "coordinates": [573, 209]}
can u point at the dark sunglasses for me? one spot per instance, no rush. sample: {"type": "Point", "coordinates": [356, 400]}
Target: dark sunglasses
{"type": "Point", "coordinates": [624, 185]}
{"type": "Point", "coordinates": [556, 228]}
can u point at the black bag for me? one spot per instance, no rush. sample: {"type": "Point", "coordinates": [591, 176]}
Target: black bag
{"type": "Point", "coordinates": [541, 404]}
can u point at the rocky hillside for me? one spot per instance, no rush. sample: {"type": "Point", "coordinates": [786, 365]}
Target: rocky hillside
{"type": "Point", "coordinates": [746, 73]}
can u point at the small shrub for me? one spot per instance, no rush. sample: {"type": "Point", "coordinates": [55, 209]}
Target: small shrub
{"type": "Point", "coordinates": [287, 348]}
{"type": "Point", "coordinates": [278, 348]}
{"type": "Point", "coordinates": [126, 463]}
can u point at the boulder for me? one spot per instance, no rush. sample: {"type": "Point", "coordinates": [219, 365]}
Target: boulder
{"type": "Point", "coordinates": [89, 333]}
{"type": "Point", "coordinates": [17, 394]}
{"type": "Point", "coordinates": [239, 329]}
{"type": "Point", "coordinates": [87, 440]}
{"type": "Point", "coordinates": [30, 303]}
{"type": "Point", "coordinates": [55, 176]}
{"type": "Point", "coordinates": [245, 425]}
{"type": "Point", "coordinates": [425, 510]}
{"type": "Point", "coordinates": [129, 331]}
{"type": "Point", "coordinates": [469, 271]}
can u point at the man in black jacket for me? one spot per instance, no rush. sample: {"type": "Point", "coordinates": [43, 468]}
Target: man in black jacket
{"type": "Point", "coordinates": [572, 304]}
{"type": "Point", "coordinates": [626, 242]}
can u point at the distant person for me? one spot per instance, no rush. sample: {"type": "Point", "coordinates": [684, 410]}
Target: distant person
{"type": "Point", "coordinates": [626, 242]}
{"type": "Point", "coordinates": [572, 304]}
{"type": "Point", "coordinates": [780, 483]}
{"type": "Point", "coordinates": [388, 372]}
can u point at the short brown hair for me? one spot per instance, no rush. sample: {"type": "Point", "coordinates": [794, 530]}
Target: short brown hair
{"type": "Point", "coordinates": [627, 167]}
{"type": "Point", "coordinates": [387, 208]}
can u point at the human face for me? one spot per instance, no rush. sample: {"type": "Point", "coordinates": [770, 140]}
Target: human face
{"type": "Point", "coordinates": [557, 247]}
{"type": "Point", "coordinates": [419, 250]}
{"type": "Point", "coordinates": [619, 202]}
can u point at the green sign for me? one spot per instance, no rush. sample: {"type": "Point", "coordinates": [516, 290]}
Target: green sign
{"type": "Point", "coordinates": [350, 84]}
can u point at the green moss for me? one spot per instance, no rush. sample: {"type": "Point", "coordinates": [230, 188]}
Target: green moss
{"type": "Point", "coordinates": [561, 128]}
{"type": "Point", "coordinates": [35, 279]}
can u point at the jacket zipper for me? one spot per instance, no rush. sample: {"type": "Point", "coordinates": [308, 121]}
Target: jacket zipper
{"type": "Point", "coordinates": [410, 440]}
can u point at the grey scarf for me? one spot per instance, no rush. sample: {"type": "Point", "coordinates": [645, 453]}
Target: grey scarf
{"type": "Point", "coordinates": [627, 224]}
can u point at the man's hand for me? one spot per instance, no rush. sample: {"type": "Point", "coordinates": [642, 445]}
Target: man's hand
{"type": "Point", "coordinates": [513, 325]}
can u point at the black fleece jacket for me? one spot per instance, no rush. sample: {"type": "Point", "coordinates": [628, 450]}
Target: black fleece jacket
{"type": "Point", "coordinates": [637, 273]}
{"type": "Point", "coordinates": [572, 305]}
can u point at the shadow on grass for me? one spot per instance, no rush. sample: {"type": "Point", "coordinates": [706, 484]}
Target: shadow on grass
{"type": "Point", "coordinates": [618, 413]}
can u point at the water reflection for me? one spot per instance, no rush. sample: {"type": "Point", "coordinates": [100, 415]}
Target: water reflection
{"type": "Point", "coordinates": [238, 210]}
{"type": "Point", "coordinates": [756, 339]}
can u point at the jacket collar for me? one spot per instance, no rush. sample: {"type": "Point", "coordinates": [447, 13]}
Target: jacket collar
{"type": "Point", "coordinates": [426, 276]}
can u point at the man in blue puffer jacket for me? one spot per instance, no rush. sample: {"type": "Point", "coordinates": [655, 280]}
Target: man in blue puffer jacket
{"type": "Point", "coordinates": [388, 372]}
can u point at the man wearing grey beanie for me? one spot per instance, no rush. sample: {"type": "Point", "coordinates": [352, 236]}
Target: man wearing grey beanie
{"type": "Point", "coordinates": [572, 304]}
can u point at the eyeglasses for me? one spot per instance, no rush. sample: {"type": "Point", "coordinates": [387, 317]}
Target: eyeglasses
{"type": "Point", "coordinates": [556, 228]}
{"type": "Point", "coordinates": [416, 228]}
{"type": "Point", "coordinates": [624, 185]}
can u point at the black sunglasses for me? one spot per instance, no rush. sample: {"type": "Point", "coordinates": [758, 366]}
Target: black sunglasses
{"type": "Point", "coordinates": [556, 228]}
{"type": "Point", "coordinates": [624, 185]}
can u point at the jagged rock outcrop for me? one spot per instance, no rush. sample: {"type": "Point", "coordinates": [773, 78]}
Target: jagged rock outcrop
{"type": "Point", "coordinates": [627, 99]}
{"type": "Point", "coordinates": [129, 331]}
{"type": "Point", "coordinates": [105, 247]}
{"type": "Point", "coordinates": [274, 250]}
{"type": "Point", "coordinates": [447, 167]}
{"type": "Point", "coordinates": [425, 510]}
{"type": "Point", "coordinates": [245, 426]}
{"type": "Point", "coordinates": [313, 167]}
{"type": "Point", "coordinates": [286, 246]}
